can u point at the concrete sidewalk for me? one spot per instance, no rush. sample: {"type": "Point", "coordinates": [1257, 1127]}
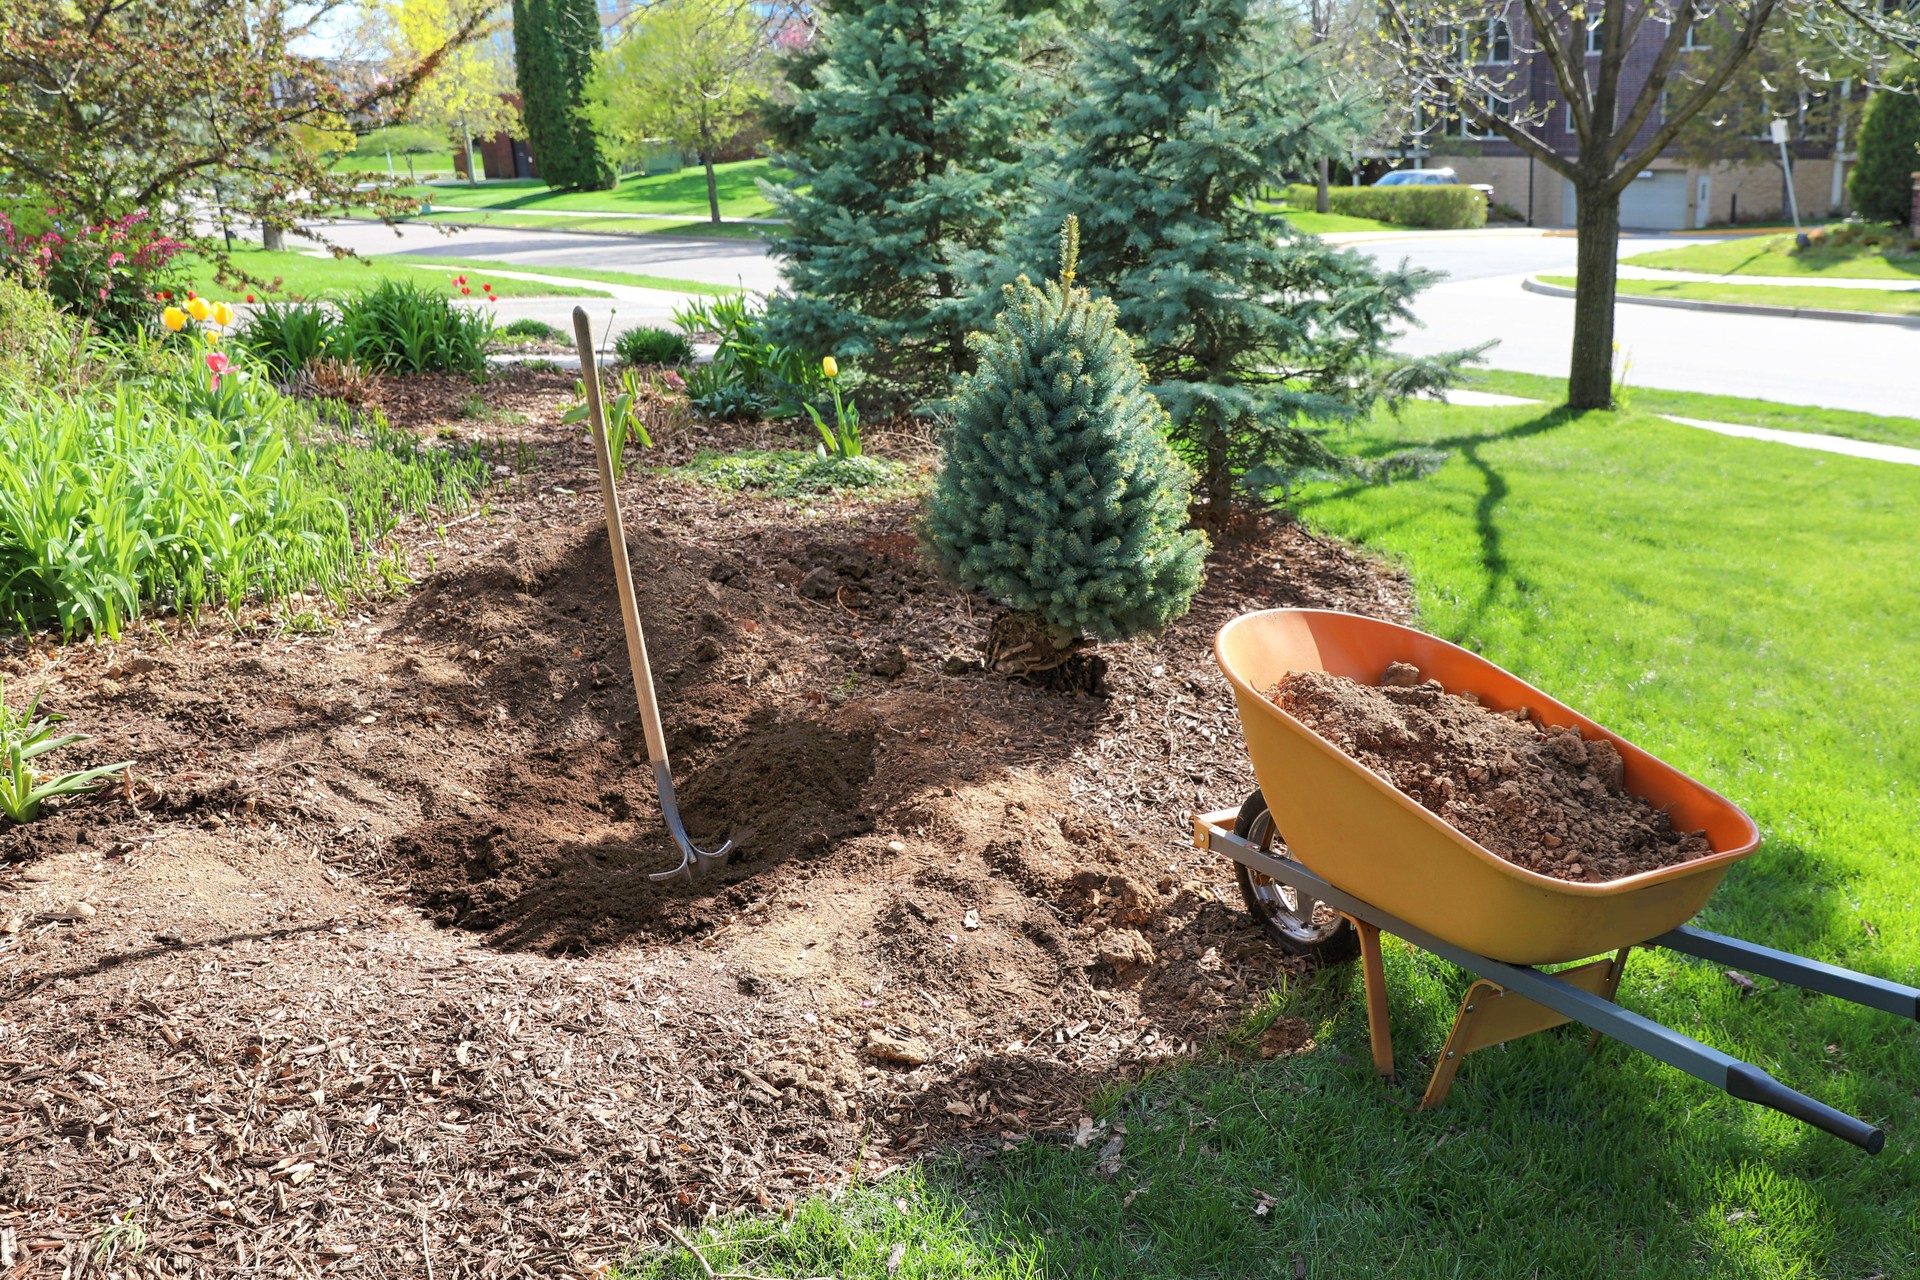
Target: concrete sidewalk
{"type": "Point", "coordinates": [1789, 282]}
{"type": "Point", "coordinates": [1798, 439]}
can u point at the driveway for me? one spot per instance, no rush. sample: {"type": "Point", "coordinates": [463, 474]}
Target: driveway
{"type": "Point", "coordinates": [711, 260]}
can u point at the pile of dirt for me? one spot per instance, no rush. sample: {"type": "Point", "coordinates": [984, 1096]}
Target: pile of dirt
{"type": "Point", "coordinates": [1542, 798]}
{"type": "Point", "coordinates": [369, 950]}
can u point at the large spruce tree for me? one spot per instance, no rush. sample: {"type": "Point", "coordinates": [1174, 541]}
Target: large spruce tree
{"type": "Point", "coordinates": [1881, 182]}
{"type": "Point", "coordinates": [1057, 494]}
{"type": "Point", "coordinates": [554, 42]}
{"type": "Point", "coordinates": [1186, 112]}
{"type": "Point", "coordinates": [907, 167]}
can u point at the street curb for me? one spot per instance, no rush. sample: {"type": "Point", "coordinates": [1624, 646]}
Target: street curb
{"type": "Point", "coordinates": [1344, 238]}
{"type": "Point", "coordinates": [1532, 284]}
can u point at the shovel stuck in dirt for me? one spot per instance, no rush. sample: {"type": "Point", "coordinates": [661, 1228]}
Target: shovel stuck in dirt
{"type": "Point", "coordinates": [694, 861]}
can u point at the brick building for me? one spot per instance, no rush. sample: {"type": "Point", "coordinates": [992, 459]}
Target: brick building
{"type": "Point", "coordinates": [1670, 194]}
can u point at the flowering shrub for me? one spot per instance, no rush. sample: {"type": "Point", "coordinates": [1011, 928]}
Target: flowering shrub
{"type": "Point", "coordinates": [109, 272]}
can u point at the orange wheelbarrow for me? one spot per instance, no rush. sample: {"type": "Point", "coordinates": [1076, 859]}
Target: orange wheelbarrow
{"type": "Point", "coordinates": [1358, 858]}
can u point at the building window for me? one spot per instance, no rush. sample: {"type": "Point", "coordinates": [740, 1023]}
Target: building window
{"type": "Point", "coordinates": [1460, 125]}
{"type": "Point", "coordinates": [1593, 35]}
{"type": "Point", "coordinates": [1692, 39]}
{"type": "Point", "coordinates": [1485, 43]}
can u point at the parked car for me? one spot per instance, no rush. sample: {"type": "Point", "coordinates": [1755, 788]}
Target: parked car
{"type": "Point", "coordinates": [1430, 178]}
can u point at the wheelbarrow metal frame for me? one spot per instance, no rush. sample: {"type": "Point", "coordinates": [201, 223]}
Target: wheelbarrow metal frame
{"type": "Point", "coordinates": [1566, 997]}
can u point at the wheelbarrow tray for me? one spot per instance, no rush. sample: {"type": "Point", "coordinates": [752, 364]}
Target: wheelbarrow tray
{"type": "Point", "coordinates": [1358, 832]}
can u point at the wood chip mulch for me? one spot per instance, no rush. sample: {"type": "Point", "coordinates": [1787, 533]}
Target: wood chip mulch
{"type": "Point", "coordinates": [362, 974]}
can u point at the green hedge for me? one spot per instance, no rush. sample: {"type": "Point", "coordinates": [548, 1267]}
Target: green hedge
{"type": "Point", "coordinates": [1442, 208]}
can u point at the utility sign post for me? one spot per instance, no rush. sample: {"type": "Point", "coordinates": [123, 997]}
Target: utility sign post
{"type": "Point", "coordinates": [1779, 133]}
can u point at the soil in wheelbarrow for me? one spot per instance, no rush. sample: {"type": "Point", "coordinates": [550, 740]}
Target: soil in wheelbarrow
{"type": "Point", "coordinates": [1542, 798]}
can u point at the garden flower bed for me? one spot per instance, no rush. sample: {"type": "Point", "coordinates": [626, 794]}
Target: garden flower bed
{"type": "Point", "coordinates": [369, 951]}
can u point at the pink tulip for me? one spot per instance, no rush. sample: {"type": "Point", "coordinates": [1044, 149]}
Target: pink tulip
{"type": "Point", "coordinates": [217, 364]}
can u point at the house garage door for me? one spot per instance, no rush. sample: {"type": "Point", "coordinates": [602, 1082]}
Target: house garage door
{"type": "Point", "coordinates": [1654, 201]}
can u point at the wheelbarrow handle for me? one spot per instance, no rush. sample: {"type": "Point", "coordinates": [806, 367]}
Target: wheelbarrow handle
{"type": "Point", "coordinates": [1750, 1084]}
{"type": "Point", "coordinates": [1796, 971]}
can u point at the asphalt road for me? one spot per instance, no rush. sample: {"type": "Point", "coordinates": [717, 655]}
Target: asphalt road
{"type": "Point", "coordinates": [1868, 367]}
{"type": "Point", "coordinates": [1873, 368]}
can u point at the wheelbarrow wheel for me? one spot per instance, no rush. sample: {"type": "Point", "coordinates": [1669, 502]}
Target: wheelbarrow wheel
{"type": "Point", "coordinates": [1296, 923]}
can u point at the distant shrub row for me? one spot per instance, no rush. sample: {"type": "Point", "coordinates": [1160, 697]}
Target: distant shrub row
{"type": "Point", "coordinates": [1441, 208]}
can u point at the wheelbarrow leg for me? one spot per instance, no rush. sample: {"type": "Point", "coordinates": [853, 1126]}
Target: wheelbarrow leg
{"type": "Point", "coordinates": [1490, 1015]}
{"type": "Point", "coordinates": [1379, 1030]}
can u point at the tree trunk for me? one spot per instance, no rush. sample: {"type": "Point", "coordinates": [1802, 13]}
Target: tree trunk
{"type": "Point", "coordinates": [713, 188]}
{"type": "Point", "coordinates": [1320, 197]}
{"type": "Point", "coordinates": [1590, 379]}
{"type": "Point", "coordinates": [1219, 478]}
{"type": "Point", "coordinates": [272, 236]}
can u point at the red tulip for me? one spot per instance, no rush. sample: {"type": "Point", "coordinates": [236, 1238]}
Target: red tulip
{"type": "Point", "coordinates": [464, 289]}
{"type": "Point", "coordinates": [487, 288]}
{"type": "Point", "coordinates": [249, 297]}
{"type": "Point", "coordinates": [493, 297]}
{"type": "Point", "coordinates": [459, 279]}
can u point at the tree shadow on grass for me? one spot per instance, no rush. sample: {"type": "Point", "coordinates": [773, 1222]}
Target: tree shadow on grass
{"type": "Point", "coordinates": [1472, 449]}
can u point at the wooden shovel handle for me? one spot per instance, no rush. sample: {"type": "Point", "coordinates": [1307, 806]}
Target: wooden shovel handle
{"type": "Point", "coordinates": [617, 538]}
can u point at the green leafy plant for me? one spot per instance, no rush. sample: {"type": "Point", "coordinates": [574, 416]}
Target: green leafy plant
{"type": "Point", "coordinates": [626, 412]}
{"type": "Point", "coordinates": [402, 327]}
{"type": "Point", "coordinates": [122, 1237]}
{"type": "Point", "coordinates": [843, 440]}
{"type": "Point", "coordinates": [187, 488]}
{"type": "Point", "coordinates": [750, 375]}
{"type": "Point", "coordinates": [28, 736]}
{"type": "Point", "coordinates": [789, 473]}
{"type": "Point", "coordinates": [288, 336]}
{"type": "Point", "coordinates": [649, 345]}
{"type": "Point", "coordinates": [527, 329]}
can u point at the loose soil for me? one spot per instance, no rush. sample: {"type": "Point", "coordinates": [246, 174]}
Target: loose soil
{"type": "Point", "coordinates": [363, 971]}
{"type": "Point", "coordinates": [1542, 798]}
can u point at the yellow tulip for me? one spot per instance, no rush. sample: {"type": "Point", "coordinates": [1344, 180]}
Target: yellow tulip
{"type": "Point", "coordinates": [213, 339]}
{"type": "Point", "coordinates": [831, 367]}
{"type": "Point", "coordinates": [199, 309]}
{"type": "Point", "coordinates": [222, 314]}
{"type": "Point", "coordinates": [174, 318]}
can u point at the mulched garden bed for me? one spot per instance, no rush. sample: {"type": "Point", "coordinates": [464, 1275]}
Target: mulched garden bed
{"type": "Point", "coordinates": [363, 972]}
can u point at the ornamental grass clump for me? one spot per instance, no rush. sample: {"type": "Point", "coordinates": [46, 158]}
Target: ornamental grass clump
{"type": "Point", "coordinates": [1057, 494]}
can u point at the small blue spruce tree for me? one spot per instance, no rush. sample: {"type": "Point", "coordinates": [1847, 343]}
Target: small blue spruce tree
{"type": "Point", "coordinates": [1058, 495]}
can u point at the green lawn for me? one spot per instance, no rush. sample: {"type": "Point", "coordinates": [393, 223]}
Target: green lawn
{"type": "Point", "coordinates": [1689, 404]}
{"type": "Point", "coordinates": [1742, 610]}
{"type": "Point", "coordinates": [1774, 256]}
{"type": "Point", "coordinates": [1893, 302]}
{"type": "Point", "coordinates": [674, 195]}
{"type": "Point", "coordinates": [305, 277]}
{"type": "Point", "coordinates": [425, 167]}
{"type": "Point", "coordinates": [1321, 224]}
{"type": "Point", "coordinates": [639, 280]}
